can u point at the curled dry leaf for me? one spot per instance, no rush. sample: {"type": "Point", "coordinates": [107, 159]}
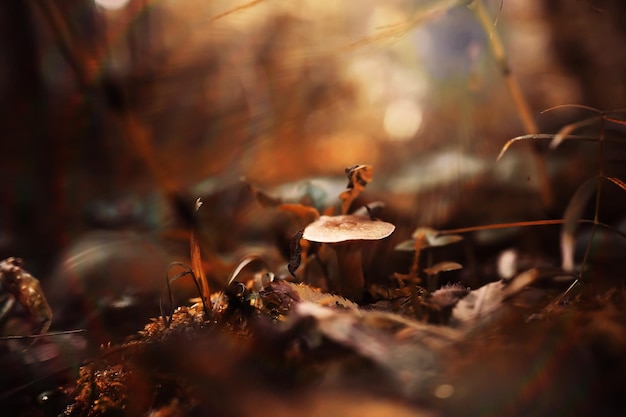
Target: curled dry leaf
{"type": "Point", "coordinates": [358, 177]}
{"type": "Point", "coordinates": [481, 303]}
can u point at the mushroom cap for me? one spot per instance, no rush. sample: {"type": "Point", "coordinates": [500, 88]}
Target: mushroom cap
{"type": "Point", "coordinates": [335, 229]}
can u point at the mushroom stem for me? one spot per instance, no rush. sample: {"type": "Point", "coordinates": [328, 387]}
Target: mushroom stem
{"type": "Point", "coordinates": [351, 279]}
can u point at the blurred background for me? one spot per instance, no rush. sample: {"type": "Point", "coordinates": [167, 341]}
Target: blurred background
{"type": "Point", "coordinates": [108, 108]}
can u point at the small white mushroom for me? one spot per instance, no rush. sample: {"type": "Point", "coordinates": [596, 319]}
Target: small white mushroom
{"type": "Point", "coordinates": [346, 235]}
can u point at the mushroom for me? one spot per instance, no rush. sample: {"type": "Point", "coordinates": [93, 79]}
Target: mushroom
{"type": "Point", "coordinates": [346, 234]}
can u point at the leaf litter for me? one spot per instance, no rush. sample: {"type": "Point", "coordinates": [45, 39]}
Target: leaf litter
{"type": "Point", "coordinates": [389, 343]}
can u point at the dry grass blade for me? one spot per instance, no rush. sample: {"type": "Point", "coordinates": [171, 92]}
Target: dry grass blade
{"type": "Point", "coordinates": [167, 317]}
{"type": "Point", "coordinates": [510, 142]}
{"type": "Point", "coordinates": [405, 245]}
{"type": "Point", "coordinates": [519, 100]}
{"type": "Point", "coordinates": [543, 136]}
{"type": "Point", "coordinates": [426, 11]}
{"type": "Point", "coordinates": [566, 130]}
{"type": "Point", "coordinates": [502, 226]}
{"type": "Point", "coordinates": [40, 336]}
{"type": "Point", "coordinates": [573, 212]}
{"type": "Point", "coordinates": [243, 264]}
{"type": "Point", "coordinates": [572, 106]}
{"type": "Point", "coordinates": [616, 121]}
{"type": "Point", "coordinates": [621, 184]}
{"type": "Point", "coordinates": [499, 53]}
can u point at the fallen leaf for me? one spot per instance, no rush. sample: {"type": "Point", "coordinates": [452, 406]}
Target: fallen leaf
{"type": "Point", "coordinates": [486, 300]}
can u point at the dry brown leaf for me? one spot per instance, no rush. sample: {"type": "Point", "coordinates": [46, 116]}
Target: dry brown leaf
{"type": "Point", "coordinates": [406, 350]}
{"type": "Point", "coordinates": [358, 177]}
{"type": "Point", "coordinates": [486, 300]}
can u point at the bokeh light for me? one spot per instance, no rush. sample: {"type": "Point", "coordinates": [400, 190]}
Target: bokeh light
{"type": "Point", "coordinates": [403, 118]}
{"type": "Point", "coordinates": [112, 4]}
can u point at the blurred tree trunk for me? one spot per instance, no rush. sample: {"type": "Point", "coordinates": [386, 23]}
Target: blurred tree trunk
{"type": "Point", "coordinates": [50, 123]}
{"type": "Point", "coordinates": [27, 188]}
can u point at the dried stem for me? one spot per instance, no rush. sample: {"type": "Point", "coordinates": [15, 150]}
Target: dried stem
{"type": "Point", "coordinates": [414, 279]}
{"type": "Point", "coordinates": [523, 109]}
{"type": "Point", "coordinates": [529, 223]}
